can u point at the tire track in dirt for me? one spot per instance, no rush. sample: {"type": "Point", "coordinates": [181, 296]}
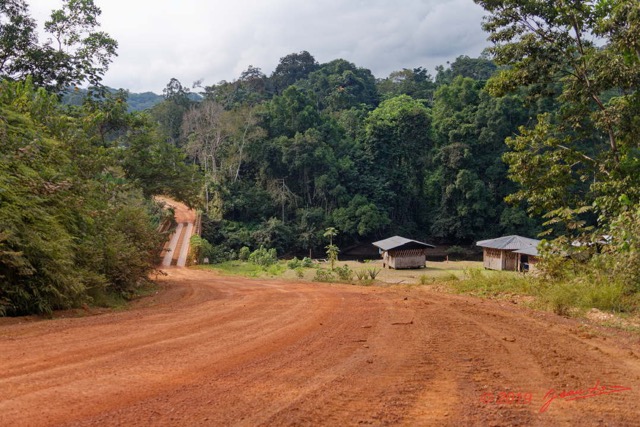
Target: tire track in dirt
{"type": "Point", "coordinates": [211, 350]}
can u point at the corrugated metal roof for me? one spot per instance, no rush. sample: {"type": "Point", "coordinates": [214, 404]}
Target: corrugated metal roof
{"type": "Point", "coordinates": [509, 243]}
{"type": "Point", "coordinates": [531, 250]}
{"type": "Point", "coordinates": [397, 241]}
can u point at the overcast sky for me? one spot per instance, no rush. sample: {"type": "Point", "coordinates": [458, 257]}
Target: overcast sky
{"type": "Point", "coordinates": [216, 40]}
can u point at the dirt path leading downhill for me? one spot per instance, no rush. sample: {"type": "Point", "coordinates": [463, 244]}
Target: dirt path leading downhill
{"type": "Point", "coordinates": [177, 247]}
{"type": "Point", "coordinates": [213, 351]}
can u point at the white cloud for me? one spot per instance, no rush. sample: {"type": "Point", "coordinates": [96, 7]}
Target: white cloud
{"type": "Point", "coordinates": [217, 40]}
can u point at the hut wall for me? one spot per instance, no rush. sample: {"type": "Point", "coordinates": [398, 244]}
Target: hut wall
{"type": "Point", "coordinates": [492, 258]}
{"type": "Point", "coordinates": [411, 258]}
{"type": "Point", "coordinates": [510, 261]}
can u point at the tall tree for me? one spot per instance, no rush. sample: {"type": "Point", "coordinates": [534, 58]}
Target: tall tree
{"type": "Point", "coordinates": [205, 132]}
{"type": "Point", "coordinates": [579, 159]}
{"type": "Point", "coordinates": [397, 141]}
{"type": "Point", "coordinates": [416, 82]}
{"type": "Point", "coordinates": [481, 68]}
{"type": "Point", "coordinates": [75, 53]}
{"type": "Point", "coordinates": [250, 89]}
{"type": "Point", "coordinates": [340, 85]}
{"type": "Point", "coordinates": [17, 37]}
{"type": "Point", "coordinates": [292, 68]}
{"type": "Point", "coordinates": [170, 113]}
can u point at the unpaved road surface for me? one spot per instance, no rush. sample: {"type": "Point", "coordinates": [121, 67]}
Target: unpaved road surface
{"type": "Point", "coordinates": [214, 351]}
{"type": "Point", "coordinates": [176, 248]}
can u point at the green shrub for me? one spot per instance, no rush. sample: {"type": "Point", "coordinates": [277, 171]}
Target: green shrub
{"type": "Point", "coordinates": [451, 277]}
{"type": "Point", "coordinates": [562, 298]}
{"type": "Point", "coordinates": [294, 263]}
{"type": "Point", "coordinates": [608, 295]}
{"type": "Point", "coordinates": [307, 262]}
{"type": "Point", "coordinates": [217, 254]}
{"type": "Point", "coordinates": [373, 273]}
{"type": "Point", "coordinates": [362, 274]}
{"type": "Point", "coordinates": [263, 257]}
{"type": "Point", "coordinates": [323, 275]}
{"type": "Point", "coordinates": [367, 275]}
{"type": "Point", "coordinates": [273, 233]}
{"type": "Point", "coordinates": [244, 253]}
{"type": "Point", "coordinates": [276, 269]}
{"type": "Point", "coordinates": [200, 249]}
{"type": "Point", "coordinates": [344, 273]}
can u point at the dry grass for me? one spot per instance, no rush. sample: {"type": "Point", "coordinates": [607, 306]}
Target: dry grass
{"type": "Point", "coordinates": [433, 271]}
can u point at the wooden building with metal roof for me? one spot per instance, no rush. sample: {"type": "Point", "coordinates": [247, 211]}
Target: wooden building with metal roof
{"type": "Point", "coordinates": [399, 252]}
{"type": "Point", "coordinates": [513, 253]}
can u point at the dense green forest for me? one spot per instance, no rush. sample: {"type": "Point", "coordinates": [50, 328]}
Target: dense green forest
{"type": "Point", "coordinates": [328, 145]}
{"type": "Point", "coordinates": [274, 160]}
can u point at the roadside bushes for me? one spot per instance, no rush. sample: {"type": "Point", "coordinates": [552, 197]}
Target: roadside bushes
{"type": "Point", "coordinates": [201, 249]}
{"type": "Point", "coordinates": [602, 273]}
{"type": "Point", "coordinates": [272, 233]}
{"type": "Point", "coordinates": [130, 245]}
{"type": "Point", "coordinates": [344, 273]}
{"type": "Point", "coordinates": [263, 257]}
{"type": "Point", "coordinates": [73, 227]}
{"type": "Point", "coordinates": [323, 275]}
{"type": "Point", "coordinates": [296, 263]}
{"type": "Point", "coordinates": [244, 253]}
{"type": "Point", "coordinates": [566, 291]}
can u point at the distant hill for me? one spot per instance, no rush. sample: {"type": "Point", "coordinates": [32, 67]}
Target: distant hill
{"type": "Point", "coordinates": [136, 101]}
{"type": "Point", "coordinates": [143, 101]}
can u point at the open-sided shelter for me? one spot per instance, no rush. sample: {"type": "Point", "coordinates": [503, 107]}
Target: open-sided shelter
{"type": "Point", "coordinates": [528, 259]}
{"type": "Point", "coordinates": [513, 253]}
{"type": "Point", "coordinates": [399, 252]}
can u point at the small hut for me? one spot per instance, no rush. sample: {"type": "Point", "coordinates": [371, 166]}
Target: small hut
{"type": "Point", "coordinates": [398, 252]}
{"type": "Point", "coordinates": [512, 253]}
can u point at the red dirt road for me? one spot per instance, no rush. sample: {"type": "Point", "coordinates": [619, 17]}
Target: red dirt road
{"type": "Point", "coordinates": [211, 351]}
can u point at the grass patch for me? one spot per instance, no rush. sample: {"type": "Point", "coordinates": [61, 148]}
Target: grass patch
{"type": "Point", "coordinates": [582, 294]}
{"type": "Point", "coordinates": [246, 269]}
{"type": "Point", "coordinates": [484, 284]}
{"type": "Point", "coordinates": [567, 297]}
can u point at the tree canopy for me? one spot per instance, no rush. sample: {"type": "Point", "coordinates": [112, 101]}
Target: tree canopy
{"type": "Point", "coordinates": [581, 156]}
{"type": "Point", "coordinates": [76, 52]}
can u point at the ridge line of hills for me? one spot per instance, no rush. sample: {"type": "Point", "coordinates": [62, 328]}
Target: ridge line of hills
{"type": "Point", "coordinates": [137, 101]}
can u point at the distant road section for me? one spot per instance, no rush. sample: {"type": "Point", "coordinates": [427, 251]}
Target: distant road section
{"type": "Point", "coordinates": [184, 249]}
{"type": "Point", "coordinates": [173, 243]}
{"type": "Point", "coordinates": [177, 249]}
